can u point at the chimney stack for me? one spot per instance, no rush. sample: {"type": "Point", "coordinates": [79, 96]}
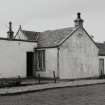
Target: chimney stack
{"type": "Point", "coordinates": [78, 21]}
{"type": "Point", "coordinates": [10, 32]}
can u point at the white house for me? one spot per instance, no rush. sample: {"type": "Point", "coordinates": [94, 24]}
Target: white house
{"type": "Point", "coordinates": [70, 52]}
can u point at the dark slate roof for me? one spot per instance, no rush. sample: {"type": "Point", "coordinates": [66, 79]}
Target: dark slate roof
{"type": "Point", "coordinates": [101, 47]}
{"type": "Point", "coordinates": [52, 38]}
{"type": "Point", "coordinates": [31, 35]}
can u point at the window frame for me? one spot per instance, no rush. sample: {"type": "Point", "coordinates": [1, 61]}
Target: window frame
{"type": "Point", "coordinates": [40, 62]}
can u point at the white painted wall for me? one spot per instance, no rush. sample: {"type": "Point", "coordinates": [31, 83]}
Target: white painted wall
{"type": "Point", "coordinates": [50, 62]}
{"type": "Point", "coordinates": [20, 35]}
{"type": "Point", "coordinates": [78, 57]}
{"type": "Point", "coordinates": [13, 57]}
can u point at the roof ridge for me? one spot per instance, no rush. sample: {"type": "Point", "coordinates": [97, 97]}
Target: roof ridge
{"type": "Point", "coordinates": [58, 29]}
{"type": "Point", "coordinates": [29, 30]}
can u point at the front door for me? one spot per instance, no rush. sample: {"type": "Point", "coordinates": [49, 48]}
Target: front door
{"type": "Point", "coordinates": [101, 67]}
{"type": "Point", "coordinates": [30, 59]}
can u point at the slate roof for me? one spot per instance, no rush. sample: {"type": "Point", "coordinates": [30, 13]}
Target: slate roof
{"type": "Point", "coordinates": [31, 35]}
{"type": "Point", "coordinates": [53, 37]}
{"type": "Point", "coordinates": [49, 38]}
{"type": "Point", "coordinates": [101, 47]}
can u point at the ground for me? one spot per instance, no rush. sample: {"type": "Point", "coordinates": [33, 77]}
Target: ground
{"type": "Point", "coordinates": [85, 95]}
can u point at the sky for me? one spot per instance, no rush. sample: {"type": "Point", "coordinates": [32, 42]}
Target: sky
{"type": "Point", "coordinates": [41, 15]}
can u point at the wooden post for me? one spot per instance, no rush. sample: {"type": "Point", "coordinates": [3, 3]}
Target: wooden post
{"type": "Point", "coordinates": [54, 76]}
{"type": "Point", "coordinates": [39, 78]}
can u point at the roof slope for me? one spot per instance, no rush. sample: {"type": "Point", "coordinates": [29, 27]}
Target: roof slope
{"type": "Point", "coordinates": [30, 35]}
{"type": "Point", "coordinates": [51, 38]}
{"type": "Point", "coordinates": [54, 37]}
{"type": "Point", "coordinates": [101, 47]}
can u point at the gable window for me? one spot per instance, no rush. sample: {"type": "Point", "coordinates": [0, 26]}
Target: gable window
{"type": "Point", "coordinates": [40, 60]}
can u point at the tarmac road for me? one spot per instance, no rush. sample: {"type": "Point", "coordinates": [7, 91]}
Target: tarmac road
{"type": "Point", "coordinates": [85, 95]}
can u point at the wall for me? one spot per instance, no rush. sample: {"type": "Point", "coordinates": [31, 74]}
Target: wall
{"type": "Point", "coordinates": [50, 62]}
{"type": "Point", "coordinates": [78, 57]}
{"type": "Point", "coordinates": [13, 57]}
{"type": "Point", "coordinates": [20, 35]}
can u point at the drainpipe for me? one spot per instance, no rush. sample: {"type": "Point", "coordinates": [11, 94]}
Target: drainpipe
{"type": "Point", "coordinates": [58, 62]}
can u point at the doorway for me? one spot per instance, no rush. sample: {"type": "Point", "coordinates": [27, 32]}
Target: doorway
{"type": "Point", "coordinates": [101, 67]}
{"type": "Point", "coordinates": [30, 63]}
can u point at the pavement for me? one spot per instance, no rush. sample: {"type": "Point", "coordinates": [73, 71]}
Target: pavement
{"type": "Point", "coordinates": [34, 87]}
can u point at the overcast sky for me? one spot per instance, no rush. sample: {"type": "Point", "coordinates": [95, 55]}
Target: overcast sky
{"type": "Point", "coordinates": [40, 15]}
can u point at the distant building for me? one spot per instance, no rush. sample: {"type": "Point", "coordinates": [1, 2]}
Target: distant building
{"type": "Point", "coordinates": [70, 52]}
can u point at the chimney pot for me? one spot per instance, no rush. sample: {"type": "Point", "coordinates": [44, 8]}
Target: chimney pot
{"type": "Point", "coordinates": [10, 32]}
{"type": "Point", "coordinates": [78, 21]}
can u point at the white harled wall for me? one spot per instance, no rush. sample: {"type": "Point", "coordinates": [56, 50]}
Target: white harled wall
{"type": "Point", "coordinates": [50, 64]}
{"type": "Point", "coordinates": [78, 57]}
{"type": "Point", "coordinates": [13, 57]}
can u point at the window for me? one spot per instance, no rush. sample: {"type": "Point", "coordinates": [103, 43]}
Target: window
{"type": "Point", "coordinates": [40, 60]}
